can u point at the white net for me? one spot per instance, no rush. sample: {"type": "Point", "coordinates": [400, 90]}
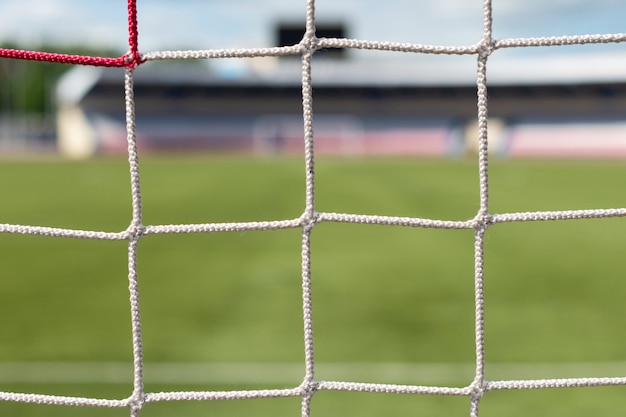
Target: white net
{"type": "Point", "coordinates": [310, 218]}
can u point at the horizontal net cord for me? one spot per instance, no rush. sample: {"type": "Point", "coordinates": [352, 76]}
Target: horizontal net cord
{"type": "Point", "coordinates": [133, 59]}
{"type": "Point", "coordinates": [553, 383]}
{"type": "Point", "coordinates": [63, 58]}
{"type": "Point", "coordinates": [62, 233]}
{"type": "Point", "coordinates": [304, 221]}
{"type": "Point", "coordinates": [345, 43]}
{"type": "Point", "coordinates": [560, 40]}
{"type": "Point", "coordinates": [394, 221]}
{"type": "Point", "coordinates": [223, 53]}
{"type": "Point", "coordinates": [472, 49]}
{"type": "Point", "coordinates": [391, 388]}
{"type": "Point", "coordinates": [346, 386]}
{"type": "Point", "coordinates": [320, 217]}
{"type": "Point", "coordinates": [222, 395]}
{"type": "Point", "coordinates": [223, 227]}
{"type": "Point", "coordinates": [63, 400]}
{"type": "Point", "coordinates": [237, 395]}
{"type": "Point", "coordinates": [557, 215]}
{"type": "Point", "coordinates": [132, 231]}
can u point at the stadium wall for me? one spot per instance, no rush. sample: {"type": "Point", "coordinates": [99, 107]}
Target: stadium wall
{"type": "Point", "coordinates": [195, 110]}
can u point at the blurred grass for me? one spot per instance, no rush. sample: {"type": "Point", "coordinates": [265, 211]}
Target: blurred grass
{"type": "Point", "coordinates": [554, 290]}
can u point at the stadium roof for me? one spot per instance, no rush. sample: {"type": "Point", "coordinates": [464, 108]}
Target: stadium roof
{"type": "Point", "coordinates": [418, 71]}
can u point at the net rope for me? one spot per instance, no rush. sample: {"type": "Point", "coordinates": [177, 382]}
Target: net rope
{"type": "Point", "coordinates": [476, 390]}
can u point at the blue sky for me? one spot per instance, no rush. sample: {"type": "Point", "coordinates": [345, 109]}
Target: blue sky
{"type": "Point", "coordinates": [173, 24]}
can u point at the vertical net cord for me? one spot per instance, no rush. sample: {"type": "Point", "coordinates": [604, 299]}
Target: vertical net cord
{"type": "Point", "coordinates": [308, 44]}
{"type": "Point", "coordinates": [135, 233]}
{"type": "Point", "coordinates": [482, 218]}
{"type": "Point", "coordinates": [136, 228]}
{"type": "Point", "coordinates": [133, 57]}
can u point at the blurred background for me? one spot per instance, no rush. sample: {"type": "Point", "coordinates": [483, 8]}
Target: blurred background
{"type": "Point", "coordinates": [395, 134]}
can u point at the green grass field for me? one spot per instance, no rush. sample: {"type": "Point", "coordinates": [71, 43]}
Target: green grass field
{"type": "Point", "coordinates": [382, 294]}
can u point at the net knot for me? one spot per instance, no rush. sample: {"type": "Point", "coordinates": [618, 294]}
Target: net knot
{"type": "Point", "coordinates": [132, 59]}
{"type": "Point", "coordinates": [136, 403]}
{"type": "Point", "coordinates": [136, 231]}
{"type": "Point", "coordinates": [477, 390]}
{"type": "Point", "coordinates": [309, 43]}
{"type": "Point", "coordinates": [309, 387]}
{"type": "Point", "coordinates": [486, 47]}
{"type": "Point", "coordinates": [308, 220]}
{"type": "Point", "coordinates": [482, 221]}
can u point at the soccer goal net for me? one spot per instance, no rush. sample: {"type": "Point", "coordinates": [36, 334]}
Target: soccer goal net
{"type": "Point", "coordinates": [310, 217]}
